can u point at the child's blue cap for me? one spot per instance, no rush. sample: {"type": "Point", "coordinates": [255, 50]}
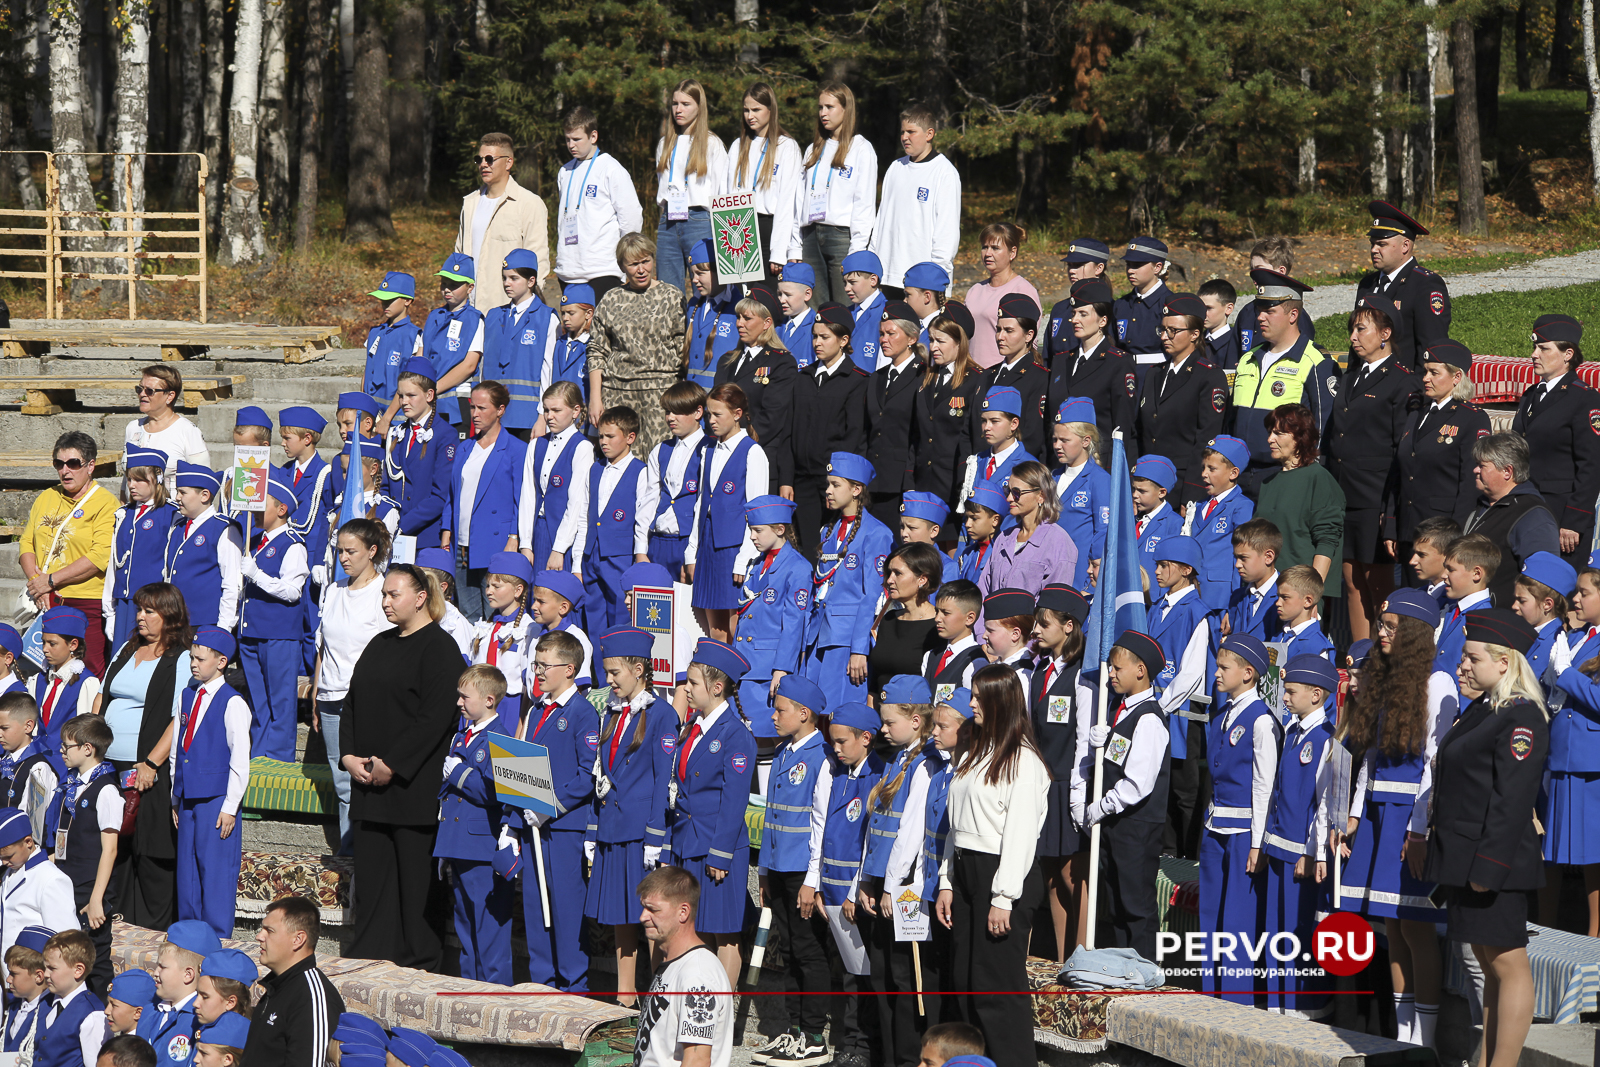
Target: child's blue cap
{"type": "Point", "coordinates": [563, 584]}
{"type": "Point", "coordinates": [249, 415]}
{"type": "Point", "coordinates": [10, 640]}
{"type": "Point", "coordinates": [863, 261]}
{"type": "Point", "coordinates": [803, 691]}
{"type": "Point", "coordinates": [354, 1055]}
{"type": "Point", "coordinates": [438, 559]}
{"type": "Point", "coordinates": [1179, 549]}
{"type": "Point", "coordinates": [354, 401]}
{"type": "Point", "coordinates": [151, 457]}
{"type": "Point", "coordinates": [230, 1029]}
{"type": "Point", "coordinates": [1359, 651]}
{"type": "Point", "coordinates": [653, 575]}
{"type": "Point", "coordinates": [959, 701]}
{"type": "Point", "coordinates": [1551, 570]}
{"type": "Point", "coordinates": [702, 252]}
{"type": "Point", "coordinates": [928, 276]}
{"type": "Point", "coordinates": [1414, 603]}
{"type": "Point", "coordinates": [458, 268]}
{"type": "Point", "coordinates": [36, 937]}
{"type": "Point", "coordinates": [927, 506]}
{"type": "Point", "coordinates": [1146, 250]}
{"type": "Point", "coordinates": [1076, 409]}
{"type": "Point", "coordinates": [969, 1060]}
{"type": "Point", "coordinates": [521, 259]}
{"type": "Point", "coordinates": [1158, 469]}
{"type": "Point", "coordinates": [281, 486]}
{"type": "Point", "coordinates": [1231, 449]}
{"type": "Point", "coordinates": [1086, 250]}
{"type": "Point", "coordinates": [134, 987]}
{"type": "Point", "coordinates": [395, 284]}
{"type": "Point", "coordinates": [194, 935]}
{"type": "Point", "coordinates": [411, 1047]}
{"type": "Point", "coordinates": [14, 826]}
{"type": "Point", "coordinates": [1003, 398]}
{"type": "Point", "coordinates": [627, 641]}
{"type": "Point", "coordinates": [218, 640]}
{"type": "Point", "coordinates": [856, 716]}
{"type": "Point", "coordinates": [800, 274]}
{"type": "Point", "coordinates": [422, 366]}
{"type": "Point", "coordinates": [230, 963]}
{"type": "Point", "coordinates": [357, 1029]}
{"type": "Point", "coordinates": [371, 447]}
{"type": "Point", "coordinates": [851, 467]}
{"type": "Point", "coordinates": [66, 622]}
{"type": "Point", "coordinates": [507, 863]}
{"type": "Point", "coordinates": [1250, 649]}
{"type": "Point", "coordinates": [764, 510]}
{"type": "Point", "coordinates": [447, 1057]}
{"type": "Point", "coordinates": [197, 476]}
{"type": "Point", "coordinates": [303, 417]}
{"type": "Point", "coordinates": [581, 293]}
{"type": "Point", "coordinates": [512, 565]}
{"type": "Point", "coordinates": [907, 689]}
{"type": "Point", "coordinates": [724, 658]}
{"type": "Point", "coordinates": [991, 494]}
{"type": "Point", "coordinates": [1309, 668]}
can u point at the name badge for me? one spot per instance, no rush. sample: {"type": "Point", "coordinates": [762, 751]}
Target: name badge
{"type": "Point", "coordinates": [942, 693]}
{"type": "Point", "coordinates": [1117, 750]}
{"type": "Point", "coordinates": [61, 846]}
{"type": "Point", "coordinates": [816, 205]}
{"type": "Point", "coordinates": [569, 228]}
{"type": "Point", "coordinates": [677, 203]}
{"type": "Point", "coordinates": [453, 331]}
{"type": "Point", "coordinates": [1059, 710]}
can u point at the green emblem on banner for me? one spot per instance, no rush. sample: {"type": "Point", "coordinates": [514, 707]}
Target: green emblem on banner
{"type": "Point", "coordinates": [736, 238]}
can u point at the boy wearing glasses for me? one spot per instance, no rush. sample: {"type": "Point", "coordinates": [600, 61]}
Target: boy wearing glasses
{"type": "Point", "coordinates": [499, 216]}
{"type": "Point", "coordinates": [83, 821]}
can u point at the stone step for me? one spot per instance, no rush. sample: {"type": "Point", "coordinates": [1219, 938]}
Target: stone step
{"type": "Point", "coordinates": [1561, 1045]}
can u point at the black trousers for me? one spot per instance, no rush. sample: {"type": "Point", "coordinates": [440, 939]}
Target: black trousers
{"type": "Point", "coordinates": [147, 886]}
{"type": "Point", "coordinates": [99, 976]}
{"type": "Point", "coordinates": [886, 509]}
{"type": "Point", "coordinates": [982, 962]}
{"type": "Point", "coordinates": [809, 511]}
{"type": "Point", "coordinates": [893, 972]}
{"type": "Point", "coordinates": [1185, 812]}
{"type": "Point", "coordinates": [805, 958]}
{"type": "Point", "coordinates": [1130, 854]}
{"type": "Point", "coordinates": [394, 877]}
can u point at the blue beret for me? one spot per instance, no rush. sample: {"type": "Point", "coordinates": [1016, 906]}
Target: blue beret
{"type": "Point", "coordinates": [303, 417]}
{"type": "Point", "coordinates": [354, 1055]}
{"type": "Point", "coordinates": [194, 935]}
{"type": "Point", "coordinates": [1551, 570]}
{"type": "Point", "coordinates": [36, 937]}
{"type": "Point", "coordinates": [1416, 603]}
{"type": "Point", "coordinates": [1087, 250]}
{"type": "Point", "coordinates": [627, 641]}
{"type": "Point", "coordinates": [856, 716]}
{"type": "Point", "coordinates": [577, 293]}
{"type": "Point", "coordinates": [1311, 669]}
{"type": "Point", "coordinates": [563, 584]}
{"type": "Point", "coordinates": [14, 826]}
{"type": "Point", "coordinates": [724, 658]}
{"type": "Point", "coordinates": [358, 1029]}
{"type": "Point", "coordinates": [216, 639]}
{"type": "Point", "coordinates": [768, 509]}
{"type": "Point", "coordinates": [1158, 469]}
{"type": "Point", "coordinates": [360, 402]}
{"type": "Point", "coordinates": [151, 457]}
{"type": "Point", "coordinates": [396, 283]}
{"type": "Point", "coordinates": [134, 987]}
{"type": "Point", "coordinates": [371, 447]}
{"type": "Point", "coordinates": [1359, 651]}
{"type": "Point", "coordinates": [521, 259]}
{"type": "Point", "coordinates": [1076, 409]}
{"type": "Point", "coordinates": [437, 559]}
{"type": "Point", "coordinates": [1179, 549]}
{"type": "Point", "coordinates": [65, 622]}
{"type": "Point", "coordinates": [230, 1029]}
{"type": "Point", "coordinates": [1003, 398]}
{"type": "Point", "coordinates": [249, 415]}
{"type": "Point", "coordinates": [907, 689]}
{"type": "Point", "coordinates": [1009, 603]}
{"type": "Point", "coordinates": [969, 1060]}
{"type": "Point", "coordinates": [507, 863]}
{"type": "Point", "coordinates": [702, 252]}
{"type": "Point", "coordinates": [512, 565]}
{"type": "Point", "coordinates": [653, 575]}
{"type": "Point", "coordinates": [10, 640]}
{"type": "Point", "coordinates": [928, 276]}
{"type": "Point", "coordinates": [800, 274]}
{"type": "Point", "coordinates": [959, 701]}
{"type": "Point", "coordinates": [422, 367]}
{"type": "Point", "coordinates": [851, 467]}
{"type": "Point", "coordinates": [920, 505]}
{"type": "Point", "coordinates": [865, 262]}
{"type": "Point", "coordinates": [803, 691]}
{"type": "Point", "coordinates": [1146, 250]}
{"type": "Point", "coordinates": [458, 268]}
{"type": "Point", "coordinates": [1500, 626]}
{"type": "Point", "coordinates": [197, 476]}
{"type": "Point", "coordinates": [1060, 597]}
{"type": "Point", "coordinates": [1250, 649]}
{"type": "Point", "coordinates": [280, 484]}
{"type": "Point", "coordinates": [991, 494]}
{"type": "Point", "coordinates": [230, 963]}
{"type": "Point", "coordinates": [1144, 648]}
{"type": "Point", "coordinates": [412, 1047]}
{"type": "Point", "coordinates": [1231, 449]}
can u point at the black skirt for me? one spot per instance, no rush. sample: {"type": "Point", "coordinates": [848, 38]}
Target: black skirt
{"type": "Point", "coordinates": [1363, 528]}
{"type": "Point", "coordinates": [1059, 837]}
{"type": "Point", "coordinates": [1497, 920]}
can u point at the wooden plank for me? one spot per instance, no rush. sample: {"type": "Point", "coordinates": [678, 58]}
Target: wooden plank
{"type": "Point", "coordinates": [105, 463]}
{"type": "Point", "coordinates": [47, 401]}
{"type": "Point", "coordinates": [179, 353]}
{"type": "Point", "coordinates": [24, 349]}
{"type": "Point", "coordinates": [105, 382]}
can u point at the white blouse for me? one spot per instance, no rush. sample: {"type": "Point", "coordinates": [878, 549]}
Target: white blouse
{"type": "Point", "coordinates": [1003, 820]}
{"type": "Point", "coordinates": [702, 187]}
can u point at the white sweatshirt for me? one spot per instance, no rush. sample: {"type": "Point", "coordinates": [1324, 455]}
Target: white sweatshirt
{"type": "Point", "coordinates": [851, 191]}
{"type": "Point", "coordinates": [701, 187]}
{"type": "Point", "coordinates": [596, 204]}
{"type": "Point", "coordinates": [919, 217]}
{"type": "Point", "coordinates": [781, 196]}
{"type": "Point", "coordinates": [1003, 820]}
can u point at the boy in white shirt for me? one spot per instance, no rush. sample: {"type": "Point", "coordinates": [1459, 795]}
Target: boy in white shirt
{"type": "Point", "coordinates": [686, 1020]}
{"type": "Point", "coordinates": [919, 214]}
{"type": "Point", "coordinates": [596, 204]}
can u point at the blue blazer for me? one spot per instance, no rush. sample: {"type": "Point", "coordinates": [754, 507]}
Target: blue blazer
{"type": "Point", "coordinates": [569, 362]}
{"type": "Point", "coordinates": [469, 814]}
{"type": "Point", "coordinates": [412, 473]}
{"type": "Point", "coordinates": [708, 820]}
{"type": "Point", "coordinates": [1575, 729]}
{"type": "Point", "coordinates": [315, 493]}
{"type": "Point", "coordinates": [1260, 620]}
{"type": "Point", "coordinates": [1167, 524]}
{"type": "Point", "coordinates": [635, 808]}
{"type": "Point", "coordinates": [1544, 639]}
{"type": "Point", "coordinates": [1172, 634]}
{"type": "Point", "coordinates": [1085, 515]}
{"type": "Point", "coordinates": [572, 734]}
{"type": "Point", "coordinates": [1215, 536]}
{"type": "Point", "coordinates": [492, 516]}
{"type": "Point", "coordinates": [854, 574]}
{"type": "Point", "coordinates": [864, 336]}
{"type": "Point", "coordinates": [772, 623]}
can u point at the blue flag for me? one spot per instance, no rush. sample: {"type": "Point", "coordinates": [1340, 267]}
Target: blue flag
{"type": "Point", "coordinates": [1119, 591]}
{"type": "Point", "coordinates": [354, 504]}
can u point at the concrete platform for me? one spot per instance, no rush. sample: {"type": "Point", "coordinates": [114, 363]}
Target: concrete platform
{"type": "Point", "coordinates": [1553, 1045]}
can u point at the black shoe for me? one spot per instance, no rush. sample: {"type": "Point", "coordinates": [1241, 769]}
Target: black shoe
{"type": "Point", "coordinates": [803, 1051]}
{"type": "Point", "coordinates": [780, 1044]}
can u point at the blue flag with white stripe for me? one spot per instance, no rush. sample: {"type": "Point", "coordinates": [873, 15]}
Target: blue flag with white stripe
{"type": "Point", "coordinates": [1119, 590]}
{"type": "Point", "coordinates": [354, 503]}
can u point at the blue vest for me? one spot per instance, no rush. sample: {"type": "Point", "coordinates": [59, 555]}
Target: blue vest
{"type": "Point", "coordinates": [388, 346]}
{"type": "Point", "coordinates": [722, 522]}
{"type": "Point", "coordinates": [935, 825]}
{"type": "Point", "coordinates": [1232, 757]}
{"type": "Point", "coordinates": [310, 519]}
{"type": "Point", "coordinates": [14, 785]}
{"type": "Point", "coordinates": [611, 534]}
{"type": "Point", "coordinates": [513, 355]}
{"type": "Point", "coordinates": [569, 362]}
{"type": "Point", "coordinates": [786, 828]}
{"type": "Point", "coordinates": [682, 504]}
{"type": "Point", "coordinates": [82, 858]}
{"type": "Point", "coordinates": [845, 832]}
{"type": "Point", "coordinates": [712, 319]}
{"type": "Point", "coordinates": [201, 770]}
{"type": "Point", "coordinates": [795, 334]}
{"type": "Point", "coordinates": [138, 553]}
{"type": "Point", "coordinates": [192, 567]}
{"type": "Point", "coordinates": [64, 708]}
{"type": "Point", "coordinates": [864, 335]}
{"type": "Point", "coordinates": [31, 1021]}
{"type": "Point", "coordinates": [1172, 633]}
{"type": "Point", "coordinates": [553, 498]}
{"type": "Point", "coordinates": [262, 615]}
{"type": "Point", "coordinates": [884, 826]}
{"type": "Point", "coordinates": [57, 1045]}
{"type": "Point", "coordinates": [444, 351]}
{"type": "Point", "coordinates": [1294, 791]}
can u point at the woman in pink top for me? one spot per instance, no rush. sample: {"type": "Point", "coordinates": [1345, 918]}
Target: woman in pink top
{"type": "Point", "coordinates": [1001, 242]}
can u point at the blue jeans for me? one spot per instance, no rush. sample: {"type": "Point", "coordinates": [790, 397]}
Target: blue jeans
{"type": "Point", "coordinates": [329, 711]}
{"type": "Point", "coordinates": [469, 588]}
{"type": "Point", "coordinates": [674, 241]}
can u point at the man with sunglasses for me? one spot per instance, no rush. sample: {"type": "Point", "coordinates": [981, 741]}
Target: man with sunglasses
{"type": "Point", "coordinates": [498, 216]}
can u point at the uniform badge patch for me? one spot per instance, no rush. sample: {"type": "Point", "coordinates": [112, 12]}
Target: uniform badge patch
{"type": "Point", "coordinates": [852, 810]}
{"type": "Point", "coordinates": [1236, 733]}
{"type": "Point", "coordinates": [770, 596]}
{"type": "Point", "coordinates": [1219, 400]}
{"type": "Point", "coordinates": [618, 515]}
{"type": "Point", "coordinates": [1080, 500]}
{"type": "Point", "coordinates": [1131, 384]}
{"type": "Point", "coordinates": [1306, 753]}
{"type": "Point", "coordinates": [272, 551]}
{"type": "Point", "coordinates": [851, 562]}
{"type": "Point", "coordinates": [922, 195]}
{"type": "Point", "coordinates": [480, 756]}
{"type": "Point", "coordinates": [591, 739]}
{"type": "Point", "coordinates": [739, 763]}
{"type": "Point", "coordinates": [527, 336]}
{"type": "Point", "coordinates": [1436, 302]}
{"type": "Point", "coordinates": [668, 743]}
{"type": "Point", "coordinates": [561, 724]}
{"type": "Point", "coordinates": [555, 480]}
{"type": "Point", "coordinates": [199, 540]}
{"type": "Point", "coordinates": [1122, 329]}
{"type": "Point", "coordinates": [178, 1048]}
{"type": "Point", "coordinates": [877, 564]}
{"type": "Point", "coordinates": [797, 774]}
{"type": "Point", "coordinates": [1594, 419]}
{"type": "Point", "coordinates": [691, 485]}
{"type": "Point", "coordinates": [1277, 389]}
{"type": "Point", "coordinates": [716, 746]}
{"type": "Point", "coordinates": [728, 488]}
{"type": "Point", "coordinates": [1521, 743]}
{"type": "Point", "coordinates": [800, 598]}
{"type": "Point", "coordinates": [148, 524]}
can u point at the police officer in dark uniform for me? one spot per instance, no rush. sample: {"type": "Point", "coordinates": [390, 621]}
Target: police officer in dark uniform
{"type": "Point", "coordinates": [1422, 296]}
{"type": "Point", "coordinates": [1138, 315]}
{"type": "Point", "coordinates": [941, 421]}
{"type": "Point", "coordinates": [829, 416]}
{"type": "Point", "coordinates": [1019, 325]}
{"type": "Point", "coordinates": [767, 376]}
{"type": "Point", "coordinates": [890, 399]}
{"type": "Point", "coordinates": [1560, 417]}
{"type": "Point", "coordinates": [1182, 402]}
{"type": "Point", "coordinates": [1376, 397]}
{"type": "Point", "coordinates": [1103, 374]}
{"type": "Point", "coordinates": [1085, 259]}
{"type": "Point", "coordinates": [1433, 463]}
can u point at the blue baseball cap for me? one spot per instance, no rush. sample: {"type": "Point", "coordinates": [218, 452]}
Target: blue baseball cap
{"type": "Point", "coordinates": [65, 622]}
{"type": "Point", "coordinates": [907, 689]}
{"type": "Point", "coordinates": [1086, 250]}
{"type": "Point", "coordinates": [134, 987]}
{"type": "Point", "coordinates": [803, 691]}
{"type": "Point", "coordinates": [702, 252]}
{"type": "Point", "coordinates": [152, 457]}
{"type": "Point", "coordinates": [355, 1028]}
{"type": "Point", "coordinates": [1413, 603]}
{"type": "Point", "coordinates": [928, 276]}
{"type": "Point", "coordinates": [512, 565]}
{"type": "Point", "coordinates": [437, 559]}
{"type": "Point", "coordinates": [768, 509]}
{"type": "Point", "coordinates": [357, 401]}
{"type": "Point", "coordinates": [959, 700]}
{"type": "Point", "coordinates": [14, 826]}
{"type": "Point", "coordinates": [1179, 549]}
{"type": "Point", "coordinates": [1250, 649]}
{"type": "Point", "coordinates": [230, 963]}
{"type": "Point", "coordinates": [521, 259]}
{"type": "Point", "coordinates": [10, 639]}
{"type": "Point", "coordinates": [218, 640]}
{"type": "Point", "coordinates": [927, 506]}
{"type": "Point", "coordinates": [1551, 570]}
{"type": "Point", "coordinates": [1158, 469]}
{"type": "Point", "coordinates": [1231, 449]}
{"type": "Point", "coordinates": [627, 641]}
{"type": "Point", "coordinates": [724, 658]}
{"type": "Point", "coordinates": [303, 417]}
{"type": "Point", "coordinates": [578, 293]}
{"type": "Point", "coordinates": [458, 268]}
{"type": "Point", "coordinates": [231, 1029]}
{"type": "Point", "coordinates": [1146, 250]}
{"type": "Point", "coordinates": [194, 935]}
{"type": "Point", "coordinates": [281, 486]}
{"type": "Point", "coordinates": [507, 863]}
{"type": "Point", "coordinates": [1311, 669]}
{"type": "Point", "coordinates": [197, 476]}
{"type": "Point", "coordinates": [863, 261]}
{"type": "Point", "coordinates": [991, 494]}
{"type": "Point", "coordinates": [857, 716]}
{"type": "Point", "coordinates": [422, 367]}
{"type": "Point", "coordinates": [395, 284]}
{"type": "Point", "coordinates": [800, 274]}
{"type": "Point", "coordinates": [851, 467]}
{"type": "Point", "coordinates": [1076, 409]}
{"type": "Point", "coordinates": [562, 583]}
{"type": "Point", "coordinates": [411, 1047]}
{"type": "Point", "coordinates": [36, 937]}
{"type": "Point", "coordinates": [1003, 398]}
{"type": "Point", "coordinates": [653, 575]}
{"type": "Point", "coordinates": [249, 415]}
{"type": "Point", "coordinates": [371, 447]}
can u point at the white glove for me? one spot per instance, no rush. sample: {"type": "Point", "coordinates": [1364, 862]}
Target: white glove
{"type": "Point", "coordinates": [509, 840]}
{"type": "Point", "coordinates": [248, 567]}
{"type": "Point", "coordinates": [1092, 815]}
{"type": "Point", "coordinates": [533, 818]}
{"type": "Point", "coordinates": [588, 851]}
{"type": "Point", "coordinates": [450, 764]}
{"type": "Point", "coordinates": [319, 574]}
{"type": "Point", "coordinates": [1098, 735]}
{"type": "Point", "coordinates": [652, 857]}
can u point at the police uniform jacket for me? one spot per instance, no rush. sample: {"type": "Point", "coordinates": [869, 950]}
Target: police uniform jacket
{"type": "Point", "coordinates": [941, 442]}
{"type": "Point", "coordinates": [1180, 411]}
{"type": "Point", "coordinates": [1105, 376]}
{"type": "Point", "coordinates": [889, 411]}
{"type": "Point", "coordinates": [634, 807]}
{"type": "Point", "coordinates": [829, 415]}
{"type": "Point", "coordinates": [1031, 380]}
{"type": "Point", "coordinates": [1433, 467]}
{"type": "Point", "coordinates": [1367, 420]}
{"type": "Point", "coordinates": [1301, 375]}
{"type": "Point", "coordinates": [1138, 317]}
{"type": "Point", "coordinates": [1424, 302]}
{"type": "Point", "coordinates": [1563, 432]}
{"type": "Point", "coordinates": [767, 376]}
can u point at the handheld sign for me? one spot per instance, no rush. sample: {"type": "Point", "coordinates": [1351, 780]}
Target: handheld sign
{"type": "Point", "coordinates": [522, 776]}
{"type": "Point", "coordinates": [911, 919]}
{"type": "Point", "coordinates": [665, 614]}
{"type": "Point", "coordinates": [249, 478]}
{"type": "Point", "coordinates": [736, 239]}
{"type": "Point", "coordinates": [1270, 685]}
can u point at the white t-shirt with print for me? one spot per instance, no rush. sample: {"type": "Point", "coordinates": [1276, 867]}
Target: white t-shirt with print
{"type": "Point", "coordinates": [700, 1012]}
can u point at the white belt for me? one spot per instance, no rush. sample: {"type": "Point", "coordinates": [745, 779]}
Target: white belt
{"type": "Point", "coordinates": [1299, 849]}
{"type": "Point", "coordinates": [1229, 813]}
{"type": "Point", "coordinates": [1410, 789]}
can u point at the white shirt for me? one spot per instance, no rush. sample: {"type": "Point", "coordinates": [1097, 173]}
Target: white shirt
{"type": "Point", "coordinates": [292, 573]}
{"type": "Point", "coordinates": [86, 692]}
{"type": "Point", "coordinates": [91, 1031]}
{"type": "Point", "coordinates": [40, 895]}
{"type": "Point", "coordinates": [905, 855]}
{"type": "Point", "coordinates": [701, 187]}
{"type": "Point", "coordinates": [230, 561]}
{"type": "Point", "coordinates": [644, 506]}
{"type": "Point", "coordinates": [960, 645]}
{"type": "Point", "coordinates": [1263, 767]}
{"type": "Point", "coordinates": [978, 464]}
{"type": "Point", "coordinates": [531, 506]}
{"type": "Point", "coordinates": [456, 625]}
{"type": "Point", "coordinates": [471, 471]}
{"type": "Point", "coordinates": [851, 192]}
{"type": "Point", "coordinates": [1069, 475]}
{"type": "Point", "coordinates": [780, 197]}
{"type": "Point", "coordinates": [350, 619]}
{"type": "Point", "coordinates": [671, 480]}
{"type": "Point", "coordinates": [182, 440]}
{"type": "Point", "coordinates": [919, 217]}
{"type": "Point", "coordinates": [487, 206]}
{"type": "Point", "coordinates": [1444, 703]}
{"type": "Point", "coordinates": [669, 1022]}
{"type": "Point", "coordinates": [755, 484]}
{"type": "Point", "coordinates": [236, 719]}
{"type": "Point", "coordinates": [1189, 680]}
{"type": "Point", "coordinates": [107, 807]}
{"type": "Point", "coordinates": [1146, 754]}
{"type": "Point", "coordinates": [1316, 847]}
{"type": "Point", "coordinates": [596, 204]}
{"type": "Point", "coordinates": [25, 1019]}
{"type": "Point", "coordinates": [1003, 819]}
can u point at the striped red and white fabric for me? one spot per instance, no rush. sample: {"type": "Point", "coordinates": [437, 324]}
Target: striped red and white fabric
{"type": "Point", "coordinates": [1503, 379]}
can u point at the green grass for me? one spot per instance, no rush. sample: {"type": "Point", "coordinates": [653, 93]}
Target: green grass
{"type": "Point", "coordinates": [1493, 323]}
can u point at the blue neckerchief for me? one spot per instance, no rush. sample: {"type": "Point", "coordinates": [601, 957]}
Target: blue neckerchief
{"type": "Point", "coordinates": [11, 761]}
{"type": "Point", "coordinates": [65, 793]}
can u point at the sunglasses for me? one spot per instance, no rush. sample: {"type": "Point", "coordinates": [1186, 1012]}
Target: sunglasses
{"type": "Point", "coordinates": [1013, 493]}
{"type": "Point", "coordinates": [145, 390]}
{"type": "Point", "coordinates": [488, 161]}
{"type": "Point", "coordinates": [68, 464]}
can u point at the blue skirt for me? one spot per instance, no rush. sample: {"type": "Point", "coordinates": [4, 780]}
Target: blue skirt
{"type": "Point", "coordinates": [612, 898]}
{"type": "Point", "coordinates": [723, 905]}
{"type": "Point", "coordinates": [713, 577]}
{"type": "Point", "coordinates": [829, 667]}
{"type": "Point", "coordinates": [1376, 880]}
{"type": "Point", "coordinates": [1059, 838]}
{"type": "Point", "coordinates": [1572, 819]}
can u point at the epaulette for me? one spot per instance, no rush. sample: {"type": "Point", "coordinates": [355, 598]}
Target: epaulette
{"type": "Point", "coordinates": [863, 373]}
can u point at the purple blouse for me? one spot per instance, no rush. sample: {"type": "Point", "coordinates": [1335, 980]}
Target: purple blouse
{"type": "Point", "coordinates": [1048, 556]}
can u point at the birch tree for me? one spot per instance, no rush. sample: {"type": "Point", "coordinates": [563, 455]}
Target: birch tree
{"type": "Point", "coordinates": [216, 70]}
{"type": "Point", "coordinates": [1593, 69]}
{"type": "Point", "coordinates": [68, 129]}
{"type": "Point", "coordinates": [242, 241]}
{"type": "Point", "coordinates": [274, 132]}
{"type": "Point", "coordinates": [1306, 177]}
{"type": "Point", "coordinates": [133, 113]}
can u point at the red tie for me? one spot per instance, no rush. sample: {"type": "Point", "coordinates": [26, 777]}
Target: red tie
{"type": "Point", "coordinates": [413, 442]}
{"type": "Point", "coordinates": [683, 756]}
{"type": "Point", "coordinates": [1592, 631]}
{"type": "Point", "coordinates": [942, 661]}
{"type": "Point", "coordinates": [982, 550]}
{"type": "Point", "coordinates": [616, 739]}
{"type": "Point", "coordinates": [1049, 676]}
{"type": "Point", "coordinates": [194, 718]}
{"type": "Point", "coordinates": [494, 645]}
{"type": "Point", "coordinates": [548, 708]}
{"type": "Point", "coordinates": [1118, 716]}
{"type": "Point", "coordinates": [297, 473]}
{"type": "Point", "coordinates": [142, 509]}
{"type": "Point", "coordinates": [1138, 529]}
{"type": "Point", "coordinates": [771, 555]}
{"type": "Point", "coordinates": [187, 526]}
{"type": "Point", "coordinates": [1207, 514]}
{"type": "Point", "coordinates": [989, 470]}
{"type": "Point", "coordinates": [844, 526]}
{"type": "Point", "coordinates": [50, 702]}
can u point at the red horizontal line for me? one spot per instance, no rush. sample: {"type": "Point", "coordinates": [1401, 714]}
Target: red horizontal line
{"type": "Point", "coordinates": [931, 992]}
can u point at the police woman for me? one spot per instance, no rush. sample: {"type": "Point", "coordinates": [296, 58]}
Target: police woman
{"type": "Point", "coordinates": [1559, 418]}
{"type": "Point", "coordinates": [1182, 401]}
{"type": "Point", "coordinates": [946, 398]}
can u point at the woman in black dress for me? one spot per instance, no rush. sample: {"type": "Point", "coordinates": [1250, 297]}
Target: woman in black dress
{"type": "Point", "coordinates": [904, 632]}
{"type": "Point", "coordinates": [946, 399]}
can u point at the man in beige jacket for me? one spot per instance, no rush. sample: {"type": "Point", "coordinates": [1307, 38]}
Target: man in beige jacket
{"type": "Point", "coordinates": [498, 216]}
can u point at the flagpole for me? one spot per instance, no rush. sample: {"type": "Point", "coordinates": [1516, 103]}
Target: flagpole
{"type": "Point", "coordinates": [1094, 831]}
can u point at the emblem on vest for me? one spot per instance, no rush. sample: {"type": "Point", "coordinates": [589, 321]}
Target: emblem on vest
{"type": "Point", "coordinates": [1236, 733]}
{"type": "Point", "coordinates": [852, 810]}
{"type": "Point", "coordinates": [716, 746]}
{"type": "Point", "coordinates": [797, 774]}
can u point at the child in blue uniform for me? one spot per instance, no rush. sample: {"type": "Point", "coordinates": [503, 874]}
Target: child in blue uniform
{"type": "Point", "coordinates": [299, 429]}
{"type": "Point", "coordinates": [1178, 623]}
{"type": "Point", "coordinates": [985, 509]}
{"type": "Point", "coordinates": [1574, 788]}
{"type": "Point", "coordinates": [675, 467]}
{"type": "Point", "coordinates": [411, 457]}
{"type": "Point", "coordinates": [863, 272]}
{"type": "Point", "coordinates": [448, 332]}
{"type": "Point", "coordinates": [391, 342]}
{"type": "Point", "coordinates": [569, 360]}
{"type": "Point", "coordinates": [733, 472]}
{"type": "Point", "coordinates": [616, 529]}
{"type": "Point", "coordinates": [1543, 593]}
{"type": "Point", "coordinates": [66, 687]}
{"type": "Point", "coordinates": [516, 339]}
{"type": "Point", "coordinates": [1000, 419]}
{"type": "Point", "coordinates": [484, 496]}
{"type": "Point", "coordinates": [1253, 604]}
{"type": "Point", "coordinates": [775, 604]}
{"type": "Point", "coordinates": [138, 540]}
{"type": "Point", "coordinates": [708, 793]}
{"type": "Point", "coordinates": [1299, 599]}
{"type": "Point", "coordinates": [795, 287]}
{"type": "Point", "coordinates": [73, 1026]}
{"type": "Point", "coordinates": [204, 551]}
{"type": "Point", "coordinates": [558, 605]}
{"type": "Point", "coordinates": [555, 479]}
{"type": "Point", "coordinates": [847, 580]}
{"type": "Point", "coordinates": [26, 980]}
{"type": "Point", "coordinates": [210, 765]}
{"type": "Point", "coordinates": [469, 815]}
{"type": "Point", "coordinates": [628, 819]}
{"type": "Point", "coordinates": [275, 576]}
{"type": "Point", "coordinates": [1211, 522]}
{"type": "Point", "coordinates": [922, 519]}
{"type": "Point", "coordinates": [1153, 478]}
{"type": "Point", "coordinates": [171, 1024]}
{"type": "Point", "coordinates": [713, 325]}
{"type": "Point", "coordinates": [83, 821]}
{"type": "Point", "coordinates": [505, 639]}
{"type": "Point", "coordinates": [357, 413]}
{"type": "Point", "coordinates": [1083, 486]}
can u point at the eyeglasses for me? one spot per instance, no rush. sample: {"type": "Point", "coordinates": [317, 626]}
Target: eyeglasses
{"type": "Point", "coordinates": [1173, 331]}
{"type": "Point", "coordinates": [540, 667]}
{"type": "Point", "coordinates": [66, 747]}
{"type": "Point", "coordinates": [145, 390]}
{"type": "Point", "coordinates": [1387, 627]}
{"type": "Point", "coordinates": [1013, 493]}
{"type": "Point", "coordinates": [73, 464]}
{"type": "Point", "coordinates": [488, 161]}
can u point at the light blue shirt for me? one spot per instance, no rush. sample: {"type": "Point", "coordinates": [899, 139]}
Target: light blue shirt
{"type": "Point", "coordinates": [124, 709]}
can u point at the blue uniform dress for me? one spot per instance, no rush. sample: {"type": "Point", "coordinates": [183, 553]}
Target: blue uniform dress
{"type": "Point", "coordinates": [772, 627]}
{"type": "Point", "coordinates": [1255, 613]}
{"type": "Point", "coordinates": [445, 338]}
{"type": "Point", "coordinates": [635, 761]}
{"type": "Point", "coordinates": [1292, 904]}
{"type": "Point", "coordinates": [846, 582]}
{"type": "Point", "coordinates": [268, 641]}
{"type": "Point", "coordinates": [864, 336]}
{"type": "Point", "coordinates": [313, 488]}
{"type": "Point", "coordinates": [711, 321]}
{"type": "Point", "coordinates": [208, 864]}
{"type": "Point", "coordinates": [1172, 630]}
{"type": "Point", "coordinates": [1572, 819]}
{"type": "Point", "coordinates": [469, 822]}
{"type": "Point", "coordinates": [411, 467]}
{"type": "Point", "coordinates": [192, 566]}
{"type": "Point", "coordinates": [1545, 637]}
{"type": "Point", "coordinates": [1163, 522]}
{"type": "Point", "coordinates": [570, 730]}
{"type": "Point", "coordinates": [488, 520]}
{"type": "Point", "coordinates": [389, 344]}
{"type": "Point", "coordinates": [1211, 523]}
{"type": "Point", "coordinates": [53, 713]}
{"type": "Point", "coordinates": [608, 548]}
{"type": "Point", "coordinates": [720, 513]}
{"type": "Point", "coordinates": [514, 347]}
{"type": "Point", "coordinates": [795, 334]}
{"type": "Point", "coordinates": [1085, 514]}
{"type": "Point", "coordinates": [1231, 900]}
{"type": "Point", "coordinates": [713, 770]}
{"type": "Point", "coordinates": [138, 557]}
{"type": "Point", "coordinates": [569, 362]}
{"type": "Point", "coordinates": [58, 1045]}
{"type": "Point", "coordinates": [667, 550]}
{"type": "Point", "coordinates": [553, 501]}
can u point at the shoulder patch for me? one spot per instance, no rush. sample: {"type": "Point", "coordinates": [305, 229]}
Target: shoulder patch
{"type": "Point", "coordinates": [1521, 743]}
{"type": "Point", "coordinates": [1436, 303]}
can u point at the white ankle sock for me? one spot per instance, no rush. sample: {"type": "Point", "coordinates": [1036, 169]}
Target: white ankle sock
{"type": "Point", "coordinates": [1427, 1020]}
{"type": "Point", "coordinates": [1405, 1018]}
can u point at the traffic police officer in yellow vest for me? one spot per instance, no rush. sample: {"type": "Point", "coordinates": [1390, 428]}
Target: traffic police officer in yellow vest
{"type": "Point", "coordinates": [1421, 295]}
{"type": "Point", "coordinates": [1283, 368]}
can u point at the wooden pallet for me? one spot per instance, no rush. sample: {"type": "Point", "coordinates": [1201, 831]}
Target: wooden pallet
{"type": "Point", "coordinates": [105, 464]}
{"type": "Point", "coordinates": [180, 341]}
{"type": "Point", "coordinates": [52, 395]}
